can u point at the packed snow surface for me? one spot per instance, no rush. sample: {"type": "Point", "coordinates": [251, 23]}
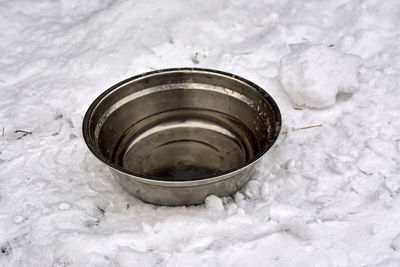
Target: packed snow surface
{"type": "Point", "coordinates": [314, 75]}
{"type": "Point", "coordinates": [327, 196]}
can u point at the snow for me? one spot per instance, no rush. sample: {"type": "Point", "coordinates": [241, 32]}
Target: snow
{"type": "Point", "coordinates": [214, 203]}
{"type": "Point", "coordinates": [327, 196]}
{"type": "Point", "coordinates": [313, 75]}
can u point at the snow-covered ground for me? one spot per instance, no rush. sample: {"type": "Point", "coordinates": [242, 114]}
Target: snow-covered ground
{"type": "Point", "coordinates": [328, 195]}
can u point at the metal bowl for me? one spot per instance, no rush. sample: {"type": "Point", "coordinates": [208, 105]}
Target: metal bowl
{"type": "Point", "coordinates": [175, 136]}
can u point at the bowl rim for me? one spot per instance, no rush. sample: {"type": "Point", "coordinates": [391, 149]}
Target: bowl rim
{"type": "Point", "coordinates": [200, 180]}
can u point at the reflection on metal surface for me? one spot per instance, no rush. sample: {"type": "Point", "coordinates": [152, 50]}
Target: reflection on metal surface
{"type": "Point", "coordinates": [165, 87]}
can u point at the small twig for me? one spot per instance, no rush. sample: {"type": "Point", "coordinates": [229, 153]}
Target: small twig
{"type": "Point", "coordinates": [127, 205]}
{"type": "Point", "coordinates": [101, 210]}
{"type": "Point", "coordinates": [303, 128]}
{"type": "Point", "coordinates": [24, 133]}
{"type": "Point", "coordinates": [307, 127]}
{"type": "Point", "coordinates": [2, 133]}
{"type": "Point", "coordinates": [298, 108]}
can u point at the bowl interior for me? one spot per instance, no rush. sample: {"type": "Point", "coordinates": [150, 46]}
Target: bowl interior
{"type": "Point", "coordinates": [182, 125]}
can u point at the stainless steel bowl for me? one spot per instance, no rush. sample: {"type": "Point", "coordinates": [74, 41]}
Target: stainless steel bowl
{"type": "Point", "coordinates": [175, 136]}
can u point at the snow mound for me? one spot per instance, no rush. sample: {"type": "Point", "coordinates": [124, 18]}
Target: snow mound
{"type": "Point", "coordinates": [214, 203]}
{"type": "Point", "coordinates": [313, 75]}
